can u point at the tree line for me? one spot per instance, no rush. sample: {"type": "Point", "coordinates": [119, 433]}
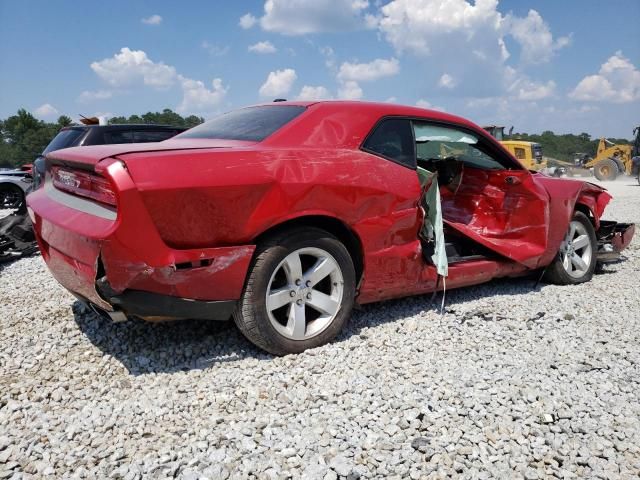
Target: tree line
{"type": "Point", "coordinates": [23, 137]}
{"type": "Point", "coordinates": [564, 147]}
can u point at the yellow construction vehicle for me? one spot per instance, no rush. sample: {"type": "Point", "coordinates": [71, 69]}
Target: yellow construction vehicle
{"type": "Point", "coordinates": [613, 159]}
{"type": "Point", "coordinates": [529, 153]}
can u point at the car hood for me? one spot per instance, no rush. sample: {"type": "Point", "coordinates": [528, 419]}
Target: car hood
{"type": "Point", "coordinates": [569, 183]}
{"type": "Point", "coordinates": [90, 155]}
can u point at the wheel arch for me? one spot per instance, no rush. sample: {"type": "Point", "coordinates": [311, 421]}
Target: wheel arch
{"type": "Point", "coordinates": [583, 208]}
{"type": "Point", "coordinates": [334, 226]}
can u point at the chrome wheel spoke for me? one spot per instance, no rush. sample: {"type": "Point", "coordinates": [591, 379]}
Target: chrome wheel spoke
{"type": "Point", "coordinates": [580, 242]}
{"type": "Point", "coordinates": [572, 232]}
{"type": "Point", "coordinates": [293, 267]}
{"type": "Point", "coordinates": [323, 303]}
{"type": "Point", "coordinates": [321, 270]}
{"type": "Point", "coordinates": [297, 321]}
{"type": "Point", "coordinates": [278, 298]}
{"type": "Point", "coordinates": [577, 261]}
{"type": "Point", "coordinates": [566, 263]}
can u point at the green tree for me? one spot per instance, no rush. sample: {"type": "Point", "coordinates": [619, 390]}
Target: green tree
{"type": "Point", "coordinates": [23, 137]}
{"type": "Point", "coordinates": [166, 117]}
{"type": "Point", "coordinates": [64, 121]}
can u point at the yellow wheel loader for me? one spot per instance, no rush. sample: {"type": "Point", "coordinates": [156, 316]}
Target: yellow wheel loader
{"type": "Point", "coordinates": [529, 153]}
{"type": "Point", "coordinates": [613, 159]}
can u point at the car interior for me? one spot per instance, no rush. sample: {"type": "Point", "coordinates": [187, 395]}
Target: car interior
{"type": "Point", "coordinates": [441, 156]}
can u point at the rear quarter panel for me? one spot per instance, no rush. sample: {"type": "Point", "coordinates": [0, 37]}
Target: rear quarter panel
{"type": "Point", "coordinates": [231, 196]}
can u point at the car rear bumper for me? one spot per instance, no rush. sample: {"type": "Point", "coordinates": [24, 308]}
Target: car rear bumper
{"type": "Point", "coordinates": [156, 307]}
{"type": "Point", "coordinates": [613, 238]}
{"type": "Point", "coordinates": [119, 262]}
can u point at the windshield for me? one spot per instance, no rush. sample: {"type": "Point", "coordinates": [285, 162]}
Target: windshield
{"type": "Point", "coordinates": [435, 143]}
{"type": "Point", "coordinates": [66, 138]}
{"type": "Point", "coordinates": [250, 124]}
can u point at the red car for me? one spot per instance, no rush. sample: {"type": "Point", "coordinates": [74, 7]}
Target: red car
{"type": "Point", "coordinates": [284, 215]}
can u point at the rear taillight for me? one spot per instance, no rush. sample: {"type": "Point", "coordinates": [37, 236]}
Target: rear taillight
{"type": "Point", "coordinates": [84, 184]}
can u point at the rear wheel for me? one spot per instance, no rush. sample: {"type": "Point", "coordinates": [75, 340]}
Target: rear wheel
{"type": "Point", "coordinates": [299, 293]}
{"type": "Point", "coordinates": [576, 259]}
{"type": "Point", "coordinates": [11, 196]}
{"type": "Point", "coordinates": [606, 169]}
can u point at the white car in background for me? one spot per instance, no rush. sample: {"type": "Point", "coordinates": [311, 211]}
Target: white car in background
{"type": "Point", "coordinates": [13, 186]}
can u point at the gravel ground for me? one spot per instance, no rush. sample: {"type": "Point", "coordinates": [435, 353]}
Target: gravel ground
{"type": "Point", "coordinates": [513, 381]}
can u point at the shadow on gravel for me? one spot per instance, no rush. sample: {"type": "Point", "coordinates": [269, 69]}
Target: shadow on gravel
{"type": "Point", "coordinates": [144, 347]}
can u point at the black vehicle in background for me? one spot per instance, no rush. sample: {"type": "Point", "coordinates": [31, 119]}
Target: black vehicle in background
{"type": "Point", "coordinates": [83, 135]}
{"type": "Point", "coordinates": [16, 232]}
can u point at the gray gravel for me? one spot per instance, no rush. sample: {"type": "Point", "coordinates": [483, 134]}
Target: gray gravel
{"type": "Point", "coordinates": [513, 381]}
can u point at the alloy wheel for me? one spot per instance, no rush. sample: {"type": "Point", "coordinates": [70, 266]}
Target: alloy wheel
{"type": "Point", "coordinates": [304, 294]}
{"type": "Point", "coordinates": [576, 250]}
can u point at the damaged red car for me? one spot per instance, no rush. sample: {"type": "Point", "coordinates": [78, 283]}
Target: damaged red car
{"type": "Point", "coordinates": [284, 215]}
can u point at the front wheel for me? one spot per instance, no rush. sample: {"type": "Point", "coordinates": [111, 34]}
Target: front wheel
{"type": "Point", "coordinates": [299, 292]}
{"type": "Point", "coordinates": [606, 169]}
{"type": "Point", "coordinates": [576, 259]}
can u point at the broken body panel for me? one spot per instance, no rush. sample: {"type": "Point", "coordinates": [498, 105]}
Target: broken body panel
{"type": "Point", "coordinates": [190, 212]}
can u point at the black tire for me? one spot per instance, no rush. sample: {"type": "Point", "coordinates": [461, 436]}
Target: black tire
{"type": "Point", "coordinates": [606, 170]}
{"type": "Point", "coordinates": [11, 196]}
{"type": "Point", "coordinates": [251, 315]}
{"type": "Point", "coordinates": [556, 271]}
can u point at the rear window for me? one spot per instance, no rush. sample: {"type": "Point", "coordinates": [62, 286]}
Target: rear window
{"type": "Point", "coordinates": [118, 136]}
{"type": "Point", "coordinates": [153, 135]}
{"type": "Point", "coordinates": [250, 124]}
{"type": "Point", "coordinates": [64, 139]}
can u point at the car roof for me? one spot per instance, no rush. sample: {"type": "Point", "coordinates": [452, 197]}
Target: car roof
{"type": "Point", "coordinates": [377, 109]}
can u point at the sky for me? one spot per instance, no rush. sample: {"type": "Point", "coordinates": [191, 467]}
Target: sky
{"type": "Point", "coordinates": [569, 66]}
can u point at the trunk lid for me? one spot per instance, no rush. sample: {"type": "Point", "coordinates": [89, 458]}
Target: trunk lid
{"type": "Point", "coordinates": [87, 157]}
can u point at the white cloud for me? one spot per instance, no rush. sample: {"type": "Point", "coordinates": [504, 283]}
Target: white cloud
{"type": "Point", "coordinates": [466, 39]}
{"type": "Point", "coordinates": [618, 81]}
{"type": "Point", "coordinates": [300, 17]}
{"type": "Point", "coordinates": [314, 93]}
{"type": "Point", "coordinates": [46, 110]}
{"type": "Point", "coordinates": [329, 57]}
{"type": "Point", "coordinates": [391, 100]}
{"type": "Point", "coordinates": [130, 66]}
{"type": "Point", "coordinates": [350, 90]}
{"type": "Point", "coordinates": [198, 98]}
{"type": "Point", "coordinates": [350, 74]}
{"type": "Point", "coordinates": [525, 89]}
{"type": "Point", "coordinates": [278, 83]}
{"type": "Point", "coordinates": [247, 21]}
{"type": "Point", "coordinates": [89, 96]}
{"type": "Point", "coordinates": [215, 50]}
{"type": "Point", "coordinates": [134, 68]}
{"type": "Point", "coordinates": [534, 37]}
{"type": "Point", "coordinates": [263, 47]}
{"type": "Point", "coordinates": [367, 72]}
{"type": "Point", "coordinates": [152, 20]}
{"type": "Point", "coordinates": [447, 81]}
{"type": "Point", "coordinates": [521, 87]}
{"type": "Point", "coordinates": [418, 25]}
{"type": "Point", "coordinates": [426, 104]}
